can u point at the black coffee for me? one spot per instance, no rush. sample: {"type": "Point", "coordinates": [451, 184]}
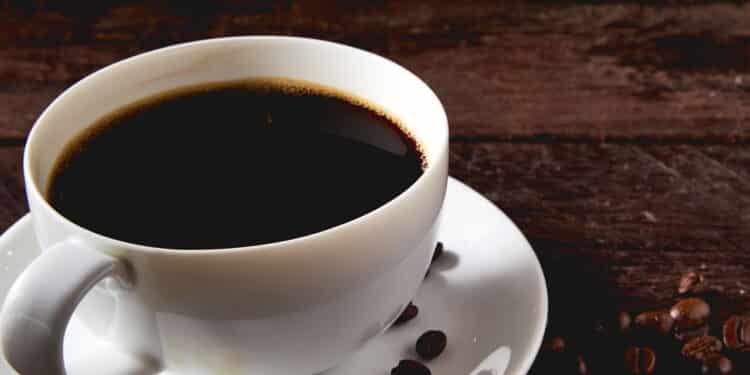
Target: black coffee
{"type": "Point", "coordinates": [233, 164]}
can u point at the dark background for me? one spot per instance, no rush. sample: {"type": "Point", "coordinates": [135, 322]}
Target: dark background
{"type": "Point", "coordinates": [614, 134]}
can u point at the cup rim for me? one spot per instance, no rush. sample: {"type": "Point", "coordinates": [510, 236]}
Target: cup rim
{"type": "Point", "coordinates": [33, 188]}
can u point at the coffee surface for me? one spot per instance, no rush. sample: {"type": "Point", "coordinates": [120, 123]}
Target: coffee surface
{"type": "Point", "coordinates": [232, 164]}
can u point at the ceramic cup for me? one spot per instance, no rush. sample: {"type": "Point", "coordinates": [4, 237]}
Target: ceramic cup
{"type": "Point", "coordinates": [292, 307]}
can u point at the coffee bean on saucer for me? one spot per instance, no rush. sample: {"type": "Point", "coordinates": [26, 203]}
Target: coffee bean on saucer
{"type": "Point", "coordinates": [716, 364]}
{"type": "Point", "coordinates": [410, 367]}
{"type": "Point", "coordinates": [688, 334]}
{"type": "Point", "coordinates": [438, 251]}
{"type": "Point", "coordinates": [699, 348]}
{"type": "Point", "coordinates": [690, 313]}
{"type": "Point", "coordinates": [736, 333]}
{"type": "Point", "coordinates": [431, 344]}
{"type": "Point", "coordinates": [659, 321]}
{"type": "Point", "coordinates": [409, 313]}
{"type": "Point", "coordinates": [691, 282]}
{"type": "Point", "coordinates": [640, 360]}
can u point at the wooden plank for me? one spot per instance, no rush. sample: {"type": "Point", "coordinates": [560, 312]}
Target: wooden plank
{"type": "Point", "coordinates": [21, 105]}
{"type": "Point", "coordinates": [505, 71]}
{"type": "Point", "coordinates": [12, 196]}
{"type": "Point", "coordinates": [616, 225]}
{"type": "Point", "coordinates": [621, 222]}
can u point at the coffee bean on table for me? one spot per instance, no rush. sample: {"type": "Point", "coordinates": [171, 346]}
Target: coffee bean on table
{"type": "Point", "coordinates": [624, 322]}
{"type": "Point", "coordinates": [555, 344]}
{"type": "Point", "coordinates": [716, 364]}
{"type": "Point", "coordinates": [431, 344]}
{"type": "Point", "coordinates": [691, 282]}
{"type": "Point", "coordinates": [409, 313]}
{"type": "Point", "coordinates": [410, 367]}
{"type": "Point", "coordinates": [688, 334]}
{"type": "Point", "coordinates": [736, 332]}
{"type": "Point", "coordinates": [438, 251]}
{"type": "Point", "coordinates": [701, 347]}
{"type": "Point", "coordinates": [690, 313]}
{"type": "Point", "coordinates": [581, 366]}
{"type": "Point", "coordinates": [640, 360]}
{"type": "Point", "coordinates": [658, 321]}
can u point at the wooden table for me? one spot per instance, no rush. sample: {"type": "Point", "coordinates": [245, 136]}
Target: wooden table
{"type": "Point", "coordinates": [615, 135]}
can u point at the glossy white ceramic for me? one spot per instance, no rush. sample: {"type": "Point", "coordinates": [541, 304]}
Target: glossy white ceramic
{"type": "Point", "coordinates": [292, 307]}
{"type": "Point", "coordinates": [487, 292]}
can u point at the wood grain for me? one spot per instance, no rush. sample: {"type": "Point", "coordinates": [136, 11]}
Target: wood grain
{"type": "Point", "coordinates": [12, 199]}
{"type": "Point", "coordinates": [615, 134]}
{"type": "Point", "coordinates": [640, 218]}
{"type": "Point", "coordinates": [505, 71]}
{"type": "Point", "coordinates": [616, 225]}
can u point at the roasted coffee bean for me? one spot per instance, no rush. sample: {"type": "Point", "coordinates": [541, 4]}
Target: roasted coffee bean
{"type": "Point", "coordinates": [640, 360]}
{"type": "Point", "coordinates": [716, 364]}
{"type": "Point", "coordinates": [736, 332]}
{"type": "Point", "coordinates": [409, 313]}
{"type": "Point", "coordinates": [410, 367]}
{"type": "Point", "coordinates": [700, 347]}
{"type": "Point", "coordinates": [624, 321]}
{"type": "Point", "coordinates": [438, 251]}
{"type": "Point", "coordinates": [688, 334]}
{"type": "Point", "coordinates": [691, 282]}
{"type": "Point", "coordinates": [690, 313]}
{"type": "Point", "coordinates": [555, 344]}
{"type": "Point", "coordinates": [658, 321]}
{"type": "Point", "coordinates": [431, 344]}
{"type": "Point", "coordinates": [581, 366]}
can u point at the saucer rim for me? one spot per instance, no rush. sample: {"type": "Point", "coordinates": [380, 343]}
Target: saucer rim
{"type": "Point", "coordinates": [543, 293]}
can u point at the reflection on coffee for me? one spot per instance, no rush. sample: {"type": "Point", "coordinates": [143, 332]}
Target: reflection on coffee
{"type": "Point", "coordinates": [233, 164]}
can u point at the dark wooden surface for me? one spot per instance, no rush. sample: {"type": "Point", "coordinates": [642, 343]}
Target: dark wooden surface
{"type": "Point", "coordinates": [614, 134]}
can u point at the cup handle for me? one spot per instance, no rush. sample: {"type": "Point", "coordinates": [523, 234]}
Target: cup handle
{"type": "Point", "coordinates": [41, 302]}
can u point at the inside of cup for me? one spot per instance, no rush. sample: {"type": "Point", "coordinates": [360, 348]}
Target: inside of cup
{"type": "Point", "coordinates": [364, 75]}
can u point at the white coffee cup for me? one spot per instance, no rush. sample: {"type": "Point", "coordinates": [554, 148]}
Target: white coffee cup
{"type": "Point", "coordinates": [298, 306]}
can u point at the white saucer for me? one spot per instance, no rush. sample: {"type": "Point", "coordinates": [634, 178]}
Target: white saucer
{"type": "Point", "coordinates": [487, 292]}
